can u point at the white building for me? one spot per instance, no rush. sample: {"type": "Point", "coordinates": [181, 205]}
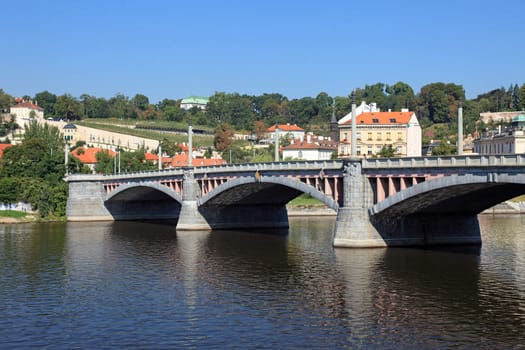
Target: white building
{"type": "Point", "coordinates": [511, 141]}
{"type": "Point", "coordinates": [285, 130]}
{"type": "Point", "coordinates": [26, 110]}
{"type": "Point", "coordinates": [362, 108]}
{"type": "Point", "coordinates": [313, 148]}
{"type": "Point", "coordinates": [194, 101]}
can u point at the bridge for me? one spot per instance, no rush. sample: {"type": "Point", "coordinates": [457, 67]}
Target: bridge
{"type": "Point", "coordinates": [379, 202]}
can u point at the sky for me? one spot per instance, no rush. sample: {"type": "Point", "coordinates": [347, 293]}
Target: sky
{"type": "Point", "coordinates": [175, 49]}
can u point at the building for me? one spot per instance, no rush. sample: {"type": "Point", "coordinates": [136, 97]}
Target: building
{"type": "Point", "coordinates": [194, 101]}
{"type": "Point", "coordinates": [70, 132]}
{"type": "Point", "coordinates": [362, 108]}
{"type": "Point", "coordinates": [313, 148]}
{"type": "Point", "coordinates": [487, 117]}
{"type": "Point", "coordinates": [290, 131]}
{"type": "Point", "coordinates": [510, 141]}
{"type": "Point", "coordinates": [376, 130]}
{"type": "Point", "coordinates": [88, 155]}
{"type": "Point", "coordinates": [24, 111]}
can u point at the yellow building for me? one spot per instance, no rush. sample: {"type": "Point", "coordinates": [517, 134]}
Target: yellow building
{"type": "Point", "coordinates": [376, 130]}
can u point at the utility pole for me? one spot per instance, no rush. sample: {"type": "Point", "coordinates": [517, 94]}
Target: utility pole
{"type": "Point", "coordinates": [276, 158]}
{"type": "Point", "coordinates": [190, 144]}
{"type": "Point", "coordinates": [460, 128]}
{"type": "Point", "coordinates": [354, 129]}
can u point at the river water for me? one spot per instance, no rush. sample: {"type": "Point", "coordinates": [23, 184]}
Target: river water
{"type": "Point", "coordinates": [140, 285]}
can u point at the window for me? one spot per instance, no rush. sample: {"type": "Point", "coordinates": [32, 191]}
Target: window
{"type": "Point", "coordinates": [375, 120]}
{"type": "Point", "coordinates": [369, 136]}
{"type": "Point", "coordinates": [400, 136]}
{"type": "Point", "coordinates": [345, 136]}
{"type": "Point", "coordinates": [369, 150]}
{"type": "Point", "coordinates": [358, 149]}
{"type": "Point", "coordinates": [388, 136]}
{"type": "Point", "coordinates": [393, 120]}
{"type": "Point", "coordinates": [358, 135]}
{"type": "Point", "coordinates": [379, 136]}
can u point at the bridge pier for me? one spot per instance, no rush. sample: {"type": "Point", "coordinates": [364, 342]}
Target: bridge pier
{"type": "Point", "coordinates": [86, 202]}
{"type": "Point", "coordinates": [357, 228]}
{"type": "Point", "coordinates": [190, 218]}
{"type": "Point", "coordinates": [353, 228]}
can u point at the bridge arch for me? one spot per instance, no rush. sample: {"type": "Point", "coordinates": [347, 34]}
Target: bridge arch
{"type": "Point", "coordinates": [141, 189]}
{"type": "Point", "coordinates": [143, 201]}
{"type": "Point", "coordinates": [469, 193]}
{"type": "Point", "coordinates": [243, 187]}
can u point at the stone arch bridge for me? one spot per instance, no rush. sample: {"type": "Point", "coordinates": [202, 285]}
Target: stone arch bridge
{"type": "Point", "coordinates": [379, 202]}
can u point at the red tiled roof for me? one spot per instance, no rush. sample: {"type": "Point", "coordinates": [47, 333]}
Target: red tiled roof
{"type": "Point", "coordinates": [312, 145]}
{"type": "Point", "coordinates": [285, 127]}
{"type": "Point", "coordinates": [88, 156]}
{"type": "Point", "coordinates": [3, 146]}
{"type": "Point", "coordinates": [151, 157]}
{"type": "Point", "coordinates": [182, 160]}
{"type": "Point", "coordinates": [28, 105]}
{"type": "Point", "coordinates": [383, 118]}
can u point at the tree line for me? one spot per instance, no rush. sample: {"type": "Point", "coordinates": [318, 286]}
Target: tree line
{"type": "Point", "coordinates": [434, 103]}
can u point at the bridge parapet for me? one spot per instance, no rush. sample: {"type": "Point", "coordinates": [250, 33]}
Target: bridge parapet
{"type": "Point", "coordinates": [446, 161]}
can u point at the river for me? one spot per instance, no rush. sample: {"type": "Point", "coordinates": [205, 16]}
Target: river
{"type": "Point", "coordinates": [140, 285]}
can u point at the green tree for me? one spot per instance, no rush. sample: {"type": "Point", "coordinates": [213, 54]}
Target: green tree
{"type": "Point", "coordinates": [387, 151]}
{"type": "Point", "coordinates": [173, 113]}
{"type": "Point", "coordinates": [68, 107]}
{"type": "Point", "coordinates": [8, 190]}
{"type": "Point", "coordinates": [105, 163]}
{"type": "Point", "coordinates": [169, 147]}
{"type": "Point", "coordinates": [120, 107]}
{"type": "Point", "coordinates": [5, 101]}
{"type": "Point", "coordinates": [444, 149]}
{"type": "Point", "coordinates": [140, 102]}
{"type": "Point", "coordinates": [47, 101]}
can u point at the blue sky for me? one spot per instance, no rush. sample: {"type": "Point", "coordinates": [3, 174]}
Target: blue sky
{"type": "Point", "coordinates": [174, 49]}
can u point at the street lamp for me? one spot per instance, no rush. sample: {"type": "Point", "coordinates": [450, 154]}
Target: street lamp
{"type": "Point", "coordinates": [190, 144]}
{"type": "Point", "coordinates": [460, 127]}
{"type": "Point", "coordinates": [276, 158]}
{"type": "Point", "coordinates": [354, 128]}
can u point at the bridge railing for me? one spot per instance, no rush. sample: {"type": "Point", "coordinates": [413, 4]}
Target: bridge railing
{"type": "Point", "coordinates": [446, 161]}
{"type": "Point", "coordinates": [291, 165]}
{"type": "Point", "coordinates": [214, 169]}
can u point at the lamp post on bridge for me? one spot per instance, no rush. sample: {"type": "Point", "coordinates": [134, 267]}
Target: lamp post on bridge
{"type": "Point", "coordinates": [276, 158]}
{"type": "Point", "coordinates": [354, 129]}
{"type": "Point", "coordinates": [460, 128]}
{"type": "Point", "coordinates": [190, 144]}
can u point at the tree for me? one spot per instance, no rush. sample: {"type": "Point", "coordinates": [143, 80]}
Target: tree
{"type": "Point", "coordinates": [173, 113]}
{"type": "Point", "coordinates": [5, 101]}
{"type": "Point", "coordinates": [443, 149]}
{"type": "Point", "coordinates": [47, 100]}
{"type": "Point", "coordinates": [260, 129]}
{"type": "Point", "coordinates": [140, 102]}
{"type": "Point", "coordinates": [105, 163]}
{"type": "Point", "coordinates": [223, 136]}
{"type": "Point", "coordinates": [68, 107]}
{"type": "Point", "coordinates": [120, 107]}
{"type": "Point", "coordinates": [169, 148]}
{"type": "Point", "coordinates": [387, 151]}
{"type": "Point", "coordinates": [233, 109]}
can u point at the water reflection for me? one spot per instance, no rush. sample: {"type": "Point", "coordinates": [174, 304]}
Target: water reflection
{"type": "Point", "coordinates": [131, 284]}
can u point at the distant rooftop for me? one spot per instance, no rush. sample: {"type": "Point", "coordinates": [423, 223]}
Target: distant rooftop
{"type": "Point", "coordinates": [195, 100]}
